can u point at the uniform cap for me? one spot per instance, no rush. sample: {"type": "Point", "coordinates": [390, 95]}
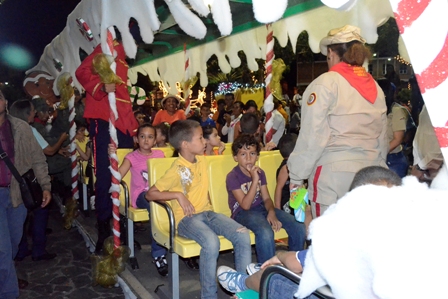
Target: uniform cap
{"type": "Point", "coordinates": [341, 35]}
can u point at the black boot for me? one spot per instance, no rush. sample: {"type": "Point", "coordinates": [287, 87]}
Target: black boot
{"type": "Point", "coordinates": [103, 233]}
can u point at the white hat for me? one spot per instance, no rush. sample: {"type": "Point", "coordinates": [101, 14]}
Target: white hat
{"type": "Point", "coordinates": [170, 96]}
{"type": "Point", "coordinates": [341, 35]}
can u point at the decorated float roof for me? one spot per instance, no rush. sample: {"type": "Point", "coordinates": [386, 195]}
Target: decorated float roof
{"type": "Point", "coordinates": [223, 29]}
{"type": "Point", "coordinates": [170, 38]}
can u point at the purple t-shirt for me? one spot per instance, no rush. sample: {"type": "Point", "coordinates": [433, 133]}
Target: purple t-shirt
{"type": "Point", "coordinates": [235, 180]}
{"type": "Point", "coordinates": [139, 172]}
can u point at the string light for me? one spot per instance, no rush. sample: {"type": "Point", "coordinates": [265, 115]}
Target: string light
{"type": "Point", "coordinates": [231, 87]}
{"type": "Point", "coordinates": [402, 60]}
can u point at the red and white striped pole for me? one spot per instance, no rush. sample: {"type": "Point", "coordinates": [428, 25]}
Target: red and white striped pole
{"type": "Point", "coordinates": [415, 19]}
{"type": "Point", "coordinates": [187, 84]}
{"type": "Point", "coordinates": [116, 177]}
{"type": "Point", "coordinates": [72, 134]}
{"type": "Point", "coordinates": [268, 98]}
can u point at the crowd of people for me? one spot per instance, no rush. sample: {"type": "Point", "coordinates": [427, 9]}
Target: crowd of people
{"type": "Point", "coordinates": [339, 126]}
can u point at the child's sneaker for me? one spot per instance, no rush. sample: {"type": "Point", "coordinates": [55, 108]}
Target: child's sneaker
{"type": "Point", "coordinates": [161, 265]}
{"type": "Point", "coordinates": [231, 280]}
{"type": "Point", "coordinates": [253, 268]}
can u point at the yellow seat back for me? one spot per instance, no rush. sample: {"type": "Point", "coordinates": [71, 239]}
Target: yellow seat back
{"type": "Point", "coordinates": [121, 153]}
{"type": "Point", "coordinates": [228, 150]}
{"type": "Point", "coordinates": [266, 153]}
{"type": "Point", "coordinates": [159, 217]}
{"type": "Point", "coordinates": [218, 168]}
{"type": "Point", "coordinates": [269, 162]}
{"type": "Point", "coordinates": [168, 151]}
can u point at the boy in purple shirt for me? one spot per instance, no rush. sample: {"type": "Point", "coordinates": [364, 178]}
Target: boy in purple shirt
{"type": "Point", "coordinates": [251, 204]}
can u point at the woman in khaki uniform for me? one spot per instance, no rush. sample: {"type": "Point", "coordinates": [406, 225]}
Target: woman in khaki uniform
{"type": "Point", "coordinates": [397, 120]}
{"type": "Point", "coordinates": [344, 122]}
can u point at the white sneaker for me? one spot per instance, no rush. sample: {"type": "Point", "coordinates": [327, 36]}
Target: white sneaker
{"type": "Point", "coordinates": [253, 268]}
{"type": "Point", "coordinates": [229, 279]}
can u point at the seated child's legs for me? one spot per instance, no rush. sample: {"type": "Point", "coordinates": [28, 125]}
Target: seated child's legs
{"type": "Point", "coordinates": [255, 220]}
{"type": "Point", "coordinates": [281, 287]}
{"type": "Point", "coordinates": [296, 230]}
{"type": "Point", "coordinates": [235, 233]}
{"type": "Point", "coordinates": [156, 249]}
{"type": "Point", "coordinates": [196, 228]}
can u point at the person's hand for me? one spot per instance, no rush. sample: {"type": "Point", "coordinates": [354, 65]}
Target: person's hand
{"type": "Point", "coordinates": [227, 118]}
{"type": "Point", "coordinates": [418, 173]}
{"type": "Point", "coordinates": [64, 151]}
{"type": "Point", "coordinates": [270, 146]}
{"type": "Point", "coordinates": [186, 205]}
{"type": "Point", "coordinates": [254, 173]}
{"type": "Point", "coordinates": [222, 147]}
{"type": "Point", "coordinates": [46, 198]}
{"type": "Point", "coordinates": [111, 149]}
{"type": "Point", "coordinates": [270, 262]}
{"type": "Point", "coordinates": [273, 221]}
{"type": "Point", "coordinates": [296, 186]}
{"type": "Point", "coordinates": [82, 138]}
{"type": "Point", "coordinates": [109, 87]}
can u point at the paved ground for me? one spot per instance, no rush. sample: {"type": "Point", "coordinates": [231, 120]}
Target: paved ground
{"type": "Point", "coordinates": [69, 274]}
{"type": "Point", "coordinates": [66, 276]}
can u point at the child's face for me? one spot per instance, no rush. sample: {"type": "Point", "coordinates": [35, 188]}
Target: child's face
{"type": "Point", "coordinates": [246, 157]}
{"type": "Point", "coordinates": [81, 131]}
{"type": "Point", "coordinates": [146, 138]}
{"type": "Point", "coordinates": [197, 144]}
{"type": "Point", "coordinates": [160, 138]}
{"type": "Point", "coordinates": [205, 112]}
{"type": "Point", "coordinates": [214, 139]}
{"type": "Point", "coordinates": [140, 119]}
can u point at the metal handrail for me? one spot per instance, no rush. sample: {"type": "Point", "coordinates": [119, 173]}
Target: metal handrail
{"type": "Point", "coordinates": [170, 213]}
{"type": "Point", "coordinates": [276, 269]}
{"type": "Point", "coordinates": [126, 197]}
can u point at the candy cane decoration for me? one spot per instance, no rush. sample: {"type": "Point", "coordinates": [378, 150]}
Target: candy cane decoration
{"type": "Point", "coordinates": [116, 177]}
{"type": "Point", "coordinates": [414, 19]}
{"type": "Point", "coordinates": [135, 91]}
{"type": "Point", "coordinates": [268, 98]}
{"type": "Point", "coordinates": [187, 83]}
{"type": "Point", "coordinates": [72, 133]}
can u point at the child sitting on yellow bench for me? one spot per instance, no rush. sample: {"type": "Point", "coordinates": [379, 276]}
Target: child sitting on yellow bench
{"type": "Point", "coordinates": [186, 185]}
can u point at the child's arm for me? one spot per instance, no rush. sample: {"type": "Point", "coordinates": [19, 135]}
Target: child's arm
{"type": "Point", "coordinates": [221, 148]}
{"type": "Point", "coordinates": [125, 165]}
{"type": "Point", "coordinates": [236, 131]}
{"type": "Point", "coordinates": [154, 194]}
{"type": "Point", "coordinates": [82, 154]}
{"type": "Point", "coordinates": [268, 204]}
{"type": "Point", "coordinates": [245, 200]}
{"type": "Point", "coordinates": [281, 181]}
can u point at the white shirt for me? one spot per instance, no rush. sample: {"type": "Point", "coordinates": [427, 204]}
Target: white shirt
{"type": "Point", "coordinates": [279, 125]}
{"type": "Point", "coordinates": [230, 130]}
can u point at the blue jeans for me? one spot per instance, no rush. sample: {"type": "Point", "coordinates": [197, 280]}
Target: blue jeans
{"type": "Point", "coordinates": [205, 228]}
{"type": "Point", "coordinates": [282, 287]}
{"type": "Point", "coordinates": [255, 220]}
{"type": "Point", "coordinates": [11, 229]}
{"type": "Point", "coordinates": [398, 164]}
{"type": "Point", "coordinates": [38, 227]}
{"type": "Point", "coordinates": [156, 249]}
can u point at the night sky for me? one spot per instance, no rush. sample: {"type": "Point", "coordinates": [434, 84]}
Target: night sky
{"type": "Point", "coordinates": [32, 24]}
